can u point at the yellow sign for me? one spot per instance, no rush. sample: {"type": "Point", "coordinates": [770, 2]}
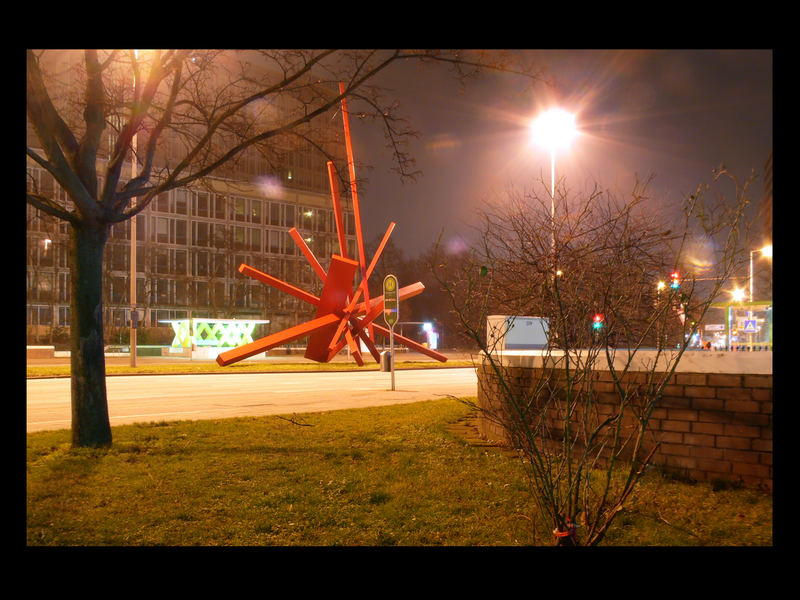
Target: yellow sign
{"type": "Point", "coordinates": [391, 303]}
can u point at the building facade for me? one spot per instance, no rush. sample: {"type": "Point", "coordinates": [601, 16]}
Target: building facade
{"type": "Point", "coordinates": [189, 245]}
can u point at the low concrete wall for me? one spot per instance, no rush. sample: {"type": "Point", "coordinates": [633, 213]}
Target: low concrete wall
{"type": "Point", "coordinates": [170, 351]}
{"type": "Point", "coordinates": [713, 421]}
{"type": "Point", "coordinates": [41, 351]}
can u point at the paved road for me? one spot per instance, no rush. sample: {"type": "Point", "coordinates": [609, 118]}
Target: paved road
{"type": "Point", "coordinates": [144, 398]}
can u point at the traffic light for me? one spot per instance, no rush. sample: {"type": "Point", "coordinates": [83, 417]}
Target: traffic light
{"type": "Point", "coordinates": [676, 280]}
{"type": "Point", "coordinates": [597, 322]}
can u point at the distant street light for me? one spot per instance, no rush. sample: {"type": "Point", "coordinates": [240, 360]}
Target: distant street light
{"type": "Point", "coordinates": [554, 130]}
{"type": "Point", "coordinates": [738, 295]}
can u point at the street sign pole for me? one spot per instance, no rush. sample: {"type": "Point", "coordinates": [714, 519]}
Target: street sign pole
{"type": "Point", "coordinates": [391, 306]}
{"type": "Point", "coordinates": [391, 351]}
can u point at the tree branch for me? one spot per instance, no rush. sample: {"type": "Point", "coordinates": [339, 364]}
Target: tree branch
{"type": "Point", "coordinates": [53, 134]}
{"type": "Point", "coordinates": [46, 205]}
{"type": "Point", "coordinates": [95, 118]}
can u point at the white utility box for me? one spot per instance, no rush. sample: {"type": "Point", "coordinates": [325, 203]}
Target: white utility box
{"type": "Point", "coordinates": [504, 332]}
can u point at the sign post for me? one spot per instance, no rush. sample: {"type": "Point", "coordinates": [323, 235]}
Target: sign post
{"type": "Point", "coordinates": [391, 305]}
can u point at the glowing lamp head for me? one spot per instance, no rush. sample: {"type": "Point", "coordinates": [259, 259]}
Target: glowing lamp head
{"type": "Point", "coordinates": [554, 129]}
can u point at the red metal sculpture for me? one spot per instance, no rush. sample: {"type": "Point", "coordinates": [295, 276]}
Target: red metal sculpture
{"type": "Point", "coordinates": [341, 317]}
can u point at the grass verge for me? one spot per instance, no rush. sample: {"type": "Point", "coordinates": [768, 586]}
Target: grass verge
{"type": "Point", "coordinates": [242, 367]}
{"type": "Point", "coordinates": [394, 475]}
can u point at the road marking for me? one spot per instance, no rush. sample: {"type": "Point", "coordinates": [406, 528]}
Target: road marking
{"type": "Point", "coordinates": [49, 422]}
{"type": "Point", "coordinates": [149, 415]}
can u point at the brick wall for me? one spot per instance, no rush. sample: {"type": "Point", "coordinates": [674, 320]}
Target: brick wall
{"type": "Point", "coordinates": [711, 426]}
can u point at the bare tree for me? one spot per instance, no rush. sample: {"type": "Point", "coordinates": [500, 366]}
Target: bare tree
{"type": "Point", "coordinates": [194, 112]}
{"type": "Point", "coordinates": [597, 288]}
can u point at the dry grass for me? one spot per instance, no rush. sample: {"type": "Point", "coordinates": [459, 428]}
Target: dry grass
{"type": "Point", "coordinates": [383, 476]}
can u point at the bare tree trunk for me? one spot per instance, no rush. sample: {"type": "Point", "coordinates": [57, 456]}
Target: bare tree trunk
{"type": "Point", "coordinates": [90, 421]}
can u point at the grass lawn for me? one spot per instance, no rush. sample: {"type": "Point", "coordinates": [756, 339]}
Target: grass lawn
{"type": "Point", "coordinates": [394, 475]}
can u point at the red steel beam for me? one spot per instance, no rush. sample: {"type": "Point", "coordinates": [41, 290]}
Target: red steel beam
{"type": "Point", "coordinates": [276, 339]}
{"type": "Point", "coordinates": [301, 243]}
{"type": "Point", "coordinates": [365, 282]}
{"type": "Point", "coordinates": [277, 283]}
{"type": "Point", "coordinates": [380, 249]}
{"type": "Point", "coordinates": [366, 321]}
{"type": "Point", "coordinates": [355, 351]}
{"type": "Point", "coordinates": [359, 324]}
{"type": "Point", "coordinates": [354, 191]}
{"type": "Point", "coordinates": [337, 336]}
{"type": "Point", "coordinates": [357, 330]}
{"type": "Point", "coordinates": [370, 345]}
{"type": "Point", "coordinates": [336, 349]}
{"type": "Point", "coordinates": [337, 209]}
{"type": "Point", "coordinates": [338, 286]}
{"type": "Point", "coordinates": [404, 293]}
{"type": "Point", "coordinates": [411, 344]}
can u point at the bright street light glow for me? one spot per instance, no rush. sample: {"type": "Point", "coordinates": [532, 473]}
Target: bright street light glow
{"type": "Point", "coordinates": [738, 294]}
{"type": "Point", "coordinates": [554, 129]}
{"type": "Point", "coordinates": [767, 251]}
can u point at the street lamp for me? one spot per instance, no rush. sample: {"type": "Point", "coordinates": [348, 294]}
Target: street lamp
{"type": "Point", "coordinates": [738, 294]}
{"type": "Point", "coordinates": [766, 251]}
{"type": "Point", "coordinates": [554, 130]}
{"type": "Point", "coordinates": [134, 315]}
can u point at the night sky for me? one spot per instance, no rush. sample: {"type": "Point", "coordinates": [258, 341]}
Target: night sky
{"type": "Point", "coordinates": [672, 114]}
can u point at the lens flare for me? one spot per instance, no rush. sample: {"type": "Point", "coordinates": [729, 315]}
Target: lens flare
{"type": "Point", "coordinates": [700, 255]}
{"type": "Point", "coordinates": [270, 186]}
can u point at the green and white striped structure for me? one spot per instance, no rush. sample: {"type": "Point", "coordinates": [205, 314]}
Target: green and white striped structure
{"type": "Point", "coordinates": [219, 333]}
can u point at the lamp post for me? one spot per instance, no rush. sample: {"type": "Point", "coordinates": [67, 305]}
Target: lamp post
{"type": "Point", "coordinates": [554, 130]}
{"type": "Point", "coordinates": [134, 315]}
{"type": "Point", "coordinates": [766, 251]}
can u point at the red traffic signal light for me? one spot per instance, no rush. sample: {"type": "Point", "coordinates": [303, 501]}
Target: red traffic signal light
{"type": "Point", "coordinates": [597, 321]}
{"type": "Point", "coordinates": [676, 280]}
